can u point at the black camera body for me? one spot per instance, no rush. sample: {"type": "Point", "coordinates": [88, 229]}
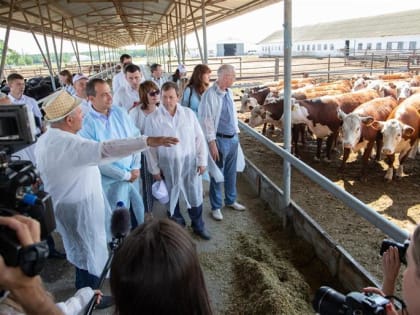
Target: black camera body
{"type": "Point", "coordinates": [327, 301]}
{"type": "Point", "coordinates": [402, 248]}
{"type": "Point", "coordinates": [20, 192]}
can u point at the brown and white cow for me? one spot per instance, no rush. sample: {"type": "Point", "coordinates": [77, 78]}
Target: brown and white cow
{"type": "Point", "coordinates": [400, 135]}
{"type": "Point", "coordinates": [252, 97]}
{"type": "Point", "coordinates": [357, 131]}
{"type": "Point", "coordinates": [320, 115]}
{"type": "Point", "coordinates": [272, 113]}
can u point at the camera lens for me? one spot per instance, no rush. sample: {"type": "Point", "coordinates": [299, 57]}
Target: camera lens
{"type": "Point", "coordinates": [327, 301]}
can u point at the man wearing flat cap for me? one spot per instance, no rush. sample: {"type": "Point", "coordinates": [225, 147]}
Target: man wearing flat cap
{"type": "Point", "coordinates": [68, 165]}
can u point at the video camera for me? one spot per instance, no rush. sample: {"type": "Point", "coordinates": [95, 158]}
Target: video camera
{"type": "Point", "coordinates": [327, 301]}
{"type": "Point", "coordinates": [402, 248]}
{"type": "Point", "coordinates": [19, 190]}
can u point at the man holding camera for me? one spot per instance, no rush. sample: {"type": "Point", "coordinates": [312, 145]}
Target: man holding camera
{"type": "Point", "coordinates": [25, 292]}
{"type": "Point", "coordinates": [68, 165]}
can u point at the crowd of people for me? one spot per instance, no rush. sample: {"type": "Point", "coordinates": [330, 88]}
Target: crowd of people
{"type": "Point", "coordinates": [110, 144]}
{"type": "Point", "coordinates": [102, 145]}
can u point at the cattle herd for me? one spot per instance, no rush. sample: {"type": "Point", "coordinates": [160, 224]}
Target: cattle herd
{"type": "Point", "coordinates": [379, 116]}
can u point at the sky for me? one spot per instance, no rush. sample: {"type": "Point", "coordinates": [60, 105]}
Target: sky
{"type": "Point", "coordinates": [255, 26]}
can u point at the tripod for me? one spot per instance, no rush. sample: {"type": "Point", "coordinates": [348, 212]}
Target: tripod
{"type": "Point", "coordinates": [113, 245]}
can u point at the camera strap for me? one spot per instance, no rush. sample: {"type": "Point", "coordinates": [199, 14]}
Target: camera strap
{"type": "Point", "coordinates": [32, 258]}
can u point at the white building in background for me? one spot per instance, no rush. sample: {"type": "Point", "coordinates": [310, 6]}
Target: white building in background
{"type": "Point", "coordinates": [396, 31]}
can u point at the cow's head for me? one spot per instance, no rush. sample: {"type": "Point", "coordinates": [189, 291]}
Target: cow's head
{"type": "Point", "coordinates": [403, 92]}
{"type": "Point", "coordinates": [258, 116]}
{"type": "Point", "coordinates": [359, 84]}
{"type": "Point", "coordinates": [247, 104]}
{"type": "Point", "coordinates": [352, 127]}
{"type": "Point", "coordinates": [393, 132]}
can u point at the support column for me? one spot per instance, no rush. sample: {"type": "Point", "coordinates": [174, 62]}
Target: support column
{"type": "Point", "coordinates": [53, 40]}
{"type": "Point", "coordinates": [6, 42]}
{"type": "Point", "coordinates": [205, 48]}
{"type": "Point", "coordinates": [49, 64]}
{"type": "Point", "coordinates": [196, 32]}
{"type": "Point", "coordinates": [287, 97]}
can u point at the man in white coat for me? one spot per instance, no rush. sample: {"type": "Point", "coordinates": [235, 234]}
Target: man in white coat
{"type": "Point", "coordinates": [127, 95]}
{"type": "Point", "coordinates": [217, 114]}
{"type": "Point", "coordinates": [119, 79]}
{"type": "Point", "coordinates": [180, 166]}
{"type": "Point", "coordinates": [68, 165]}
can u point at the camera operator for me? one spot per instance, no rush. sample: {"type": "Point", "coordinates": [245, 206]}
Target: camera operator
{"type": "Point", "coordinates": [21, 294]}
{"type": "Point", "coordinates": [27, 292]}
{"type": "Point", "coordinates": [411, 276]}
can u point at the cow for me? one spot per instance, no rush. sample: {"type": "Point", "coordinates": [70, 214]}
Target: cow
{"type": "Point", "coordinates": [357, 132]}
{"type": "Point", "coordinates": [253, 96]}
{"type": "Point", "coordinates": [272, 113]}
{"type": "Point", "coordinates": [320, 115]}
{"type": "Point", "coordinates": [359, 84]}
{"type": "Point", "coordinates": [400, 134]}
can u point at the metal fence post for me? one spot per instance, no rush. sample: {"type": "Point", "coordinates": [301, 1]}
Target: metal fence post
{"type": "Point", "coordinates": [276, 68]}
{"type": "Point", "coordinates": [240, 67]}
{"type": "Point", "coordinates": [371, 64]}
{"type": "Point", "coordinates": [329, 68]}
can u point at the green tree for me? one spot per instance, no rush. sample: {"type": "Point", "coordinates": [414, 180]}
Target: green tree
{"type": "Point", "coordinates": [28, 60]}
{"type": "Point", "coordinates": [12, 57]}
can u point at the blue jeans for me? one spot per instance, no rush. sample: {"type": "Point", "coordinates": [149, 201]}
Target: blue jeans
{"type": "Point", "coordinates": [228, 152]}
{"type": "Point", "coordinates": [196, 216]}
{"type": "Point", "coordinates": [85, 279]}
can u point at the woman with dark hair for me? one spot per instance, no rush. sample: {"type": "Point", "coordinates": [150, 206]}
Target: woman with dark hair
{"type": "Point", "coordinates": [66, 80]}
{"type": "Point", "coordinates": [149, 100]}
{"type": "Point", "coordinates": [156, 271]}
{"type": "Point", "coordinates": [176, 76]}
{"type": "Point", "coordinates": [198, 84]}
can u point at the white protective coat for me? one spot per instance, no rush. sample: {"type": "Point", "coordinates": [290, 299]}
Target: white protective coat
{"type": "Point", "coordinates": [68, 165]}
{"type": "Point", "coordinates": [178, 163]}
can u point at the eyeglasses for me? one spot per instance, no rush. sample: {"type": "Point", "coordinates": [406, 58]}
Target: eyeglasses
{"type": "Point", "coordinates": [154, 93]}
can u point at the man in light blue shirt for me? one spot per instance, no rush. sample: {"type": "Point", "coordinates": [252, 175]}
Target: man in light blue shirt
{"type": "Point", "coordinates": [107, 122]}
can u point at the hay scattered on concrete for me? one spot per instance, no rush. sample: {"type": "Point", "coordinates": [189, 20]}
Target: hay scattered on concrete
{"type": "Point", "coordinates": [269, 283]}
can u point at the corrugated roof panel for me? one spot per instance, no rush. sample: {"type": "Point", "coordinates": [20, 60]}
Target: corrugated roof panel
{"type": "Point", "coordinates": [117, 23]}
{"type": "Point", "coordinates": [394, 24]}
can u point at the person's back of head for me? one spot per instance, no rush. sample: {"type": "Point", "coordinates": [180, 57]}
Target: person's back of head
{"type": "Point", "coordinates": [156, 271]}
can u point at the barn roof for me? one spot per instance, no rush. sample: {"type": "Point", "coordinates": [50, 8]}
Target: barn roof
{"type": "Point", "coordinates": [117, 23]}
{"type": "Point", "coordinates": [394, 24]}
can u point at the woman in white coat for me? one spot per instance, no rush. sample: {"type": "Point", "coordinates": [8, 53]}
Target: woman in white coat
{"type": "Point", "coordinates": [182, 166]}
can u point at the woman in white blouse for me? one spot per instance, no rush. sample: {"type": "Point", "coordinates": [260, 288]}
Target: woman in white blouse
{"type": "Point", "coordinates": [149, 100]}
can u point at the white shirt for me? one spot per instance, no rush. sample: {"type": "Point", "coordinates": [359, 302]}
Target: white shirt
{"type": "Point", "coordinates": [126, 97]}
{"type": "Point", "coordinates": [31, 102]}
{"type": "Point", "coordinates": [159, 82]}
{"type": "Point", "coordinates": [118, 80]}
{"type": "Point", "coordinates": [139, 117]}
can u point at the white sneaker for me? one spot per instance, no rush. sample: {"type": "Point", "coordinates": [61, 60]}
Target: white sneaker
{"type": "Point", "coordinates": [237, 206]}
{"type": "Point", "coordinates": [217, 214]}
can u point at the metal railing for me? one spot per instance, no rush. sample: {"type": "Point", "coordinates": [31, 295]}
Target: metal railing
{"type": "Point", "coordinates": [348, 199]}
{"type": "Point", "coordinates": [260, 70]}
